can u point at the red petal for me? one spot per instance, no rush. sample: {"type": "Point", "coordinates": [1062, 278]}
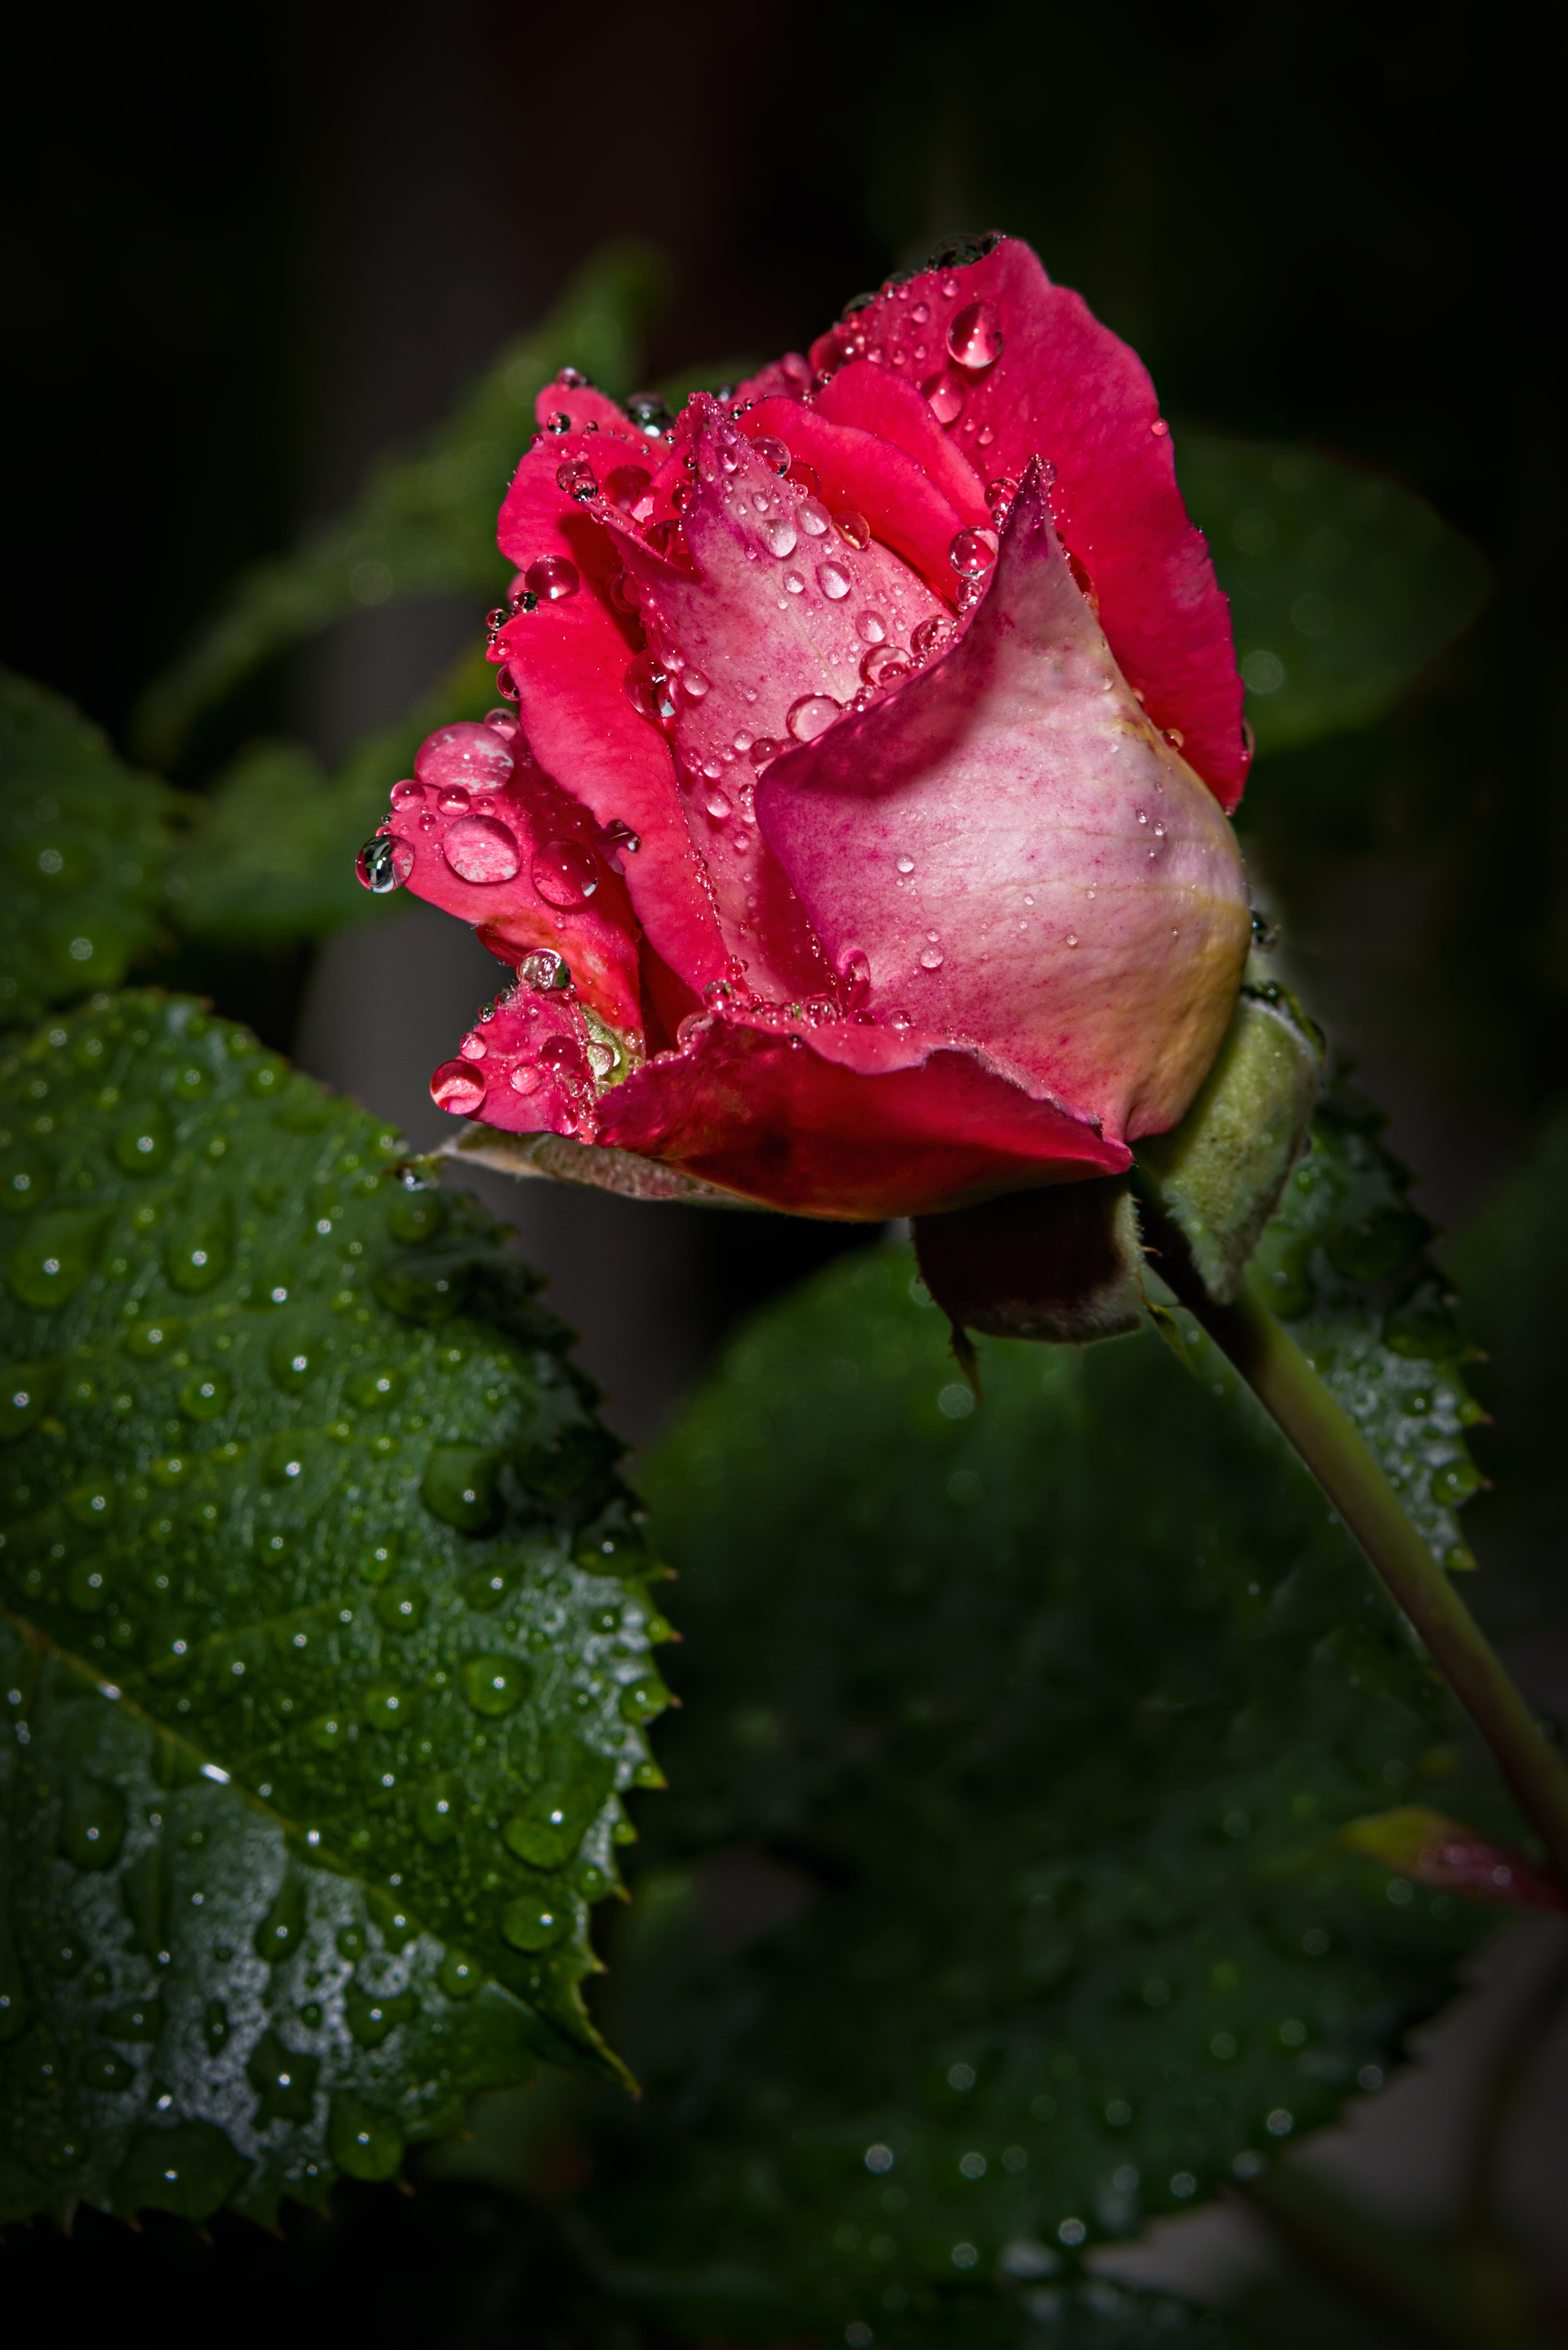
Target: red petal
{"type": "Point", "coordinates": [765, 1115]}
{"type": "Point", "coordinates": [757, 651]}
{"type": "Point", "coordinates": [568, 660]}
{"type": "Point", "coordinates": [598, 937]}
{"type": "Point", "coordinates": [879, 402]}
{"type": "Point", "coordinates": [586, 406]}
{"type": "Point", "coordinates": [871, 476]}
{"type": "Point", "coordinates": [1068, 390]}
{"type": "Point", "coordinates": [533, 1063]}
{"type": "Point", "coordinates": [1073, 904]}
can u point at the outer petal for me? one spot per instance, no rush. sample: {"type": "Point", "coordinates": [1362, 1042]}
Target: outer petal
{"type": "Point", "coordinates": [1066, 389]}
{"type": "Point", "coordinates": [568, 660]}
{"type": "Point", "coordinates": [750, 639]}
{"type": "Point", "coordinates": [765, 1114]}
{"type": "Point", "coordinates": [450, 840]}
{"type": "Point", "coordinates": [859, 471]}
{"type": "Point", "coordinates": [530, 1056]}
{"type": "Point", "coordinates": [1025, 864]}
{"type": "Point", "coordinates": [585, 408]}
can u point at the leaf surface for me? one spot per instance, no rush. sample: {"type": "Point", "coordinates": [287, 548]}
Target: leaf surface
{"type": "Point", "coordinates": [1001, 1901]}
{"type": "Point", "coordinates": [1343, 585]}
{"type": "Point", "coordinates": [83, 841]}
{"type": "Point", "coordinates": [326, 1629]}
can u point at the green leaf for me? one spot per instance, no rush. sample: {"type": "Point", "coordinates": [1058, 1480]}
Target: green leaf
{"type": "Point", "coordinates": [999, 1903]}
{"type": "Point", "coordinates": [425, 524]}
{"type": "Point", "coordinates": [269, 856]}
{"type": "Point", "coordinates": [1347, 1263]}
{"type": "Point", "coordinates": [320, 1599]}
{"type": "Point", "coordinates": [83, 842]}
{"type": "Point", "coordinates": [1343, 586]}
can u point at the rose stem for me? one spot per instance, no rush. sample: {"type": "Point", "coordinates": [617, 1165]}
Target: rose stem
{"type": "Point", "coordinates": [1333, 1448]}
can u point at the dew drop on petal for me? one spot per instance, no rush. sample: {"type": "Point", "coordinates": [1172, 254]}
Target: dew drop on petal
{"type": "Point", "coordinates": [472, 755]}
{"type": "Point", "coordinates": [384, 863]}
{"type": "Point", "coordinates": [805, 477]}
{"type": "Point", "coordinates": [772, 451]}
{"type": "Point", "coordinates": [884, 665]}
{"type": "Point", "coordinates": [544, 970]}
{"type": "Point", "coordinates": [552, 578]}
{"type": "Point", "coordinates": [833, 583]}
{"type": "Point", "coordinates": [407, 794]}
{"type": "Point", "coordinates": [856, 976]}
{"type": "Point", "coordinates": [718, 804]}
{"type": "Point", "coordinates": [577, 478]}
{"type": "Point", "coordinates": [904, 864]}
{"type": "Point", "coordinates": [930, 958]}
{"type": "Point", "coordinates": [794, 583]}
{"type": "Point", "coordinates": [693, 684]}
{"type": "Point", "coordinates": [871, 628]}
{"type": "Point", "coordinates": [779, 535]}
{"type": "Point", "coordinates": [648, 689]}
{"type": "Point", "coordinates": [565, 875]}
{"type": "Point", "coordinates": [811, 715]}
{"type": "Point", "coordinates": [944, 395]}
{"type": "Point", "coordinates": [524, 1078]}
{"type": "Point", "coordinates": [479, 850]}
{"type": "Point", "coordinates": [452, 800]}
{"type": "Point", "coordinates": [1072, 937]}
{"type": "Point", "coordinates": [974, 336]}
{"type": "Point", "coordinates": [628, 486]}
{"type": "Point", "coordinates": [972, 553]}
{"type": "Point", "coordinates": [474, 1047]}
{"type": "Point", "coordinates": [853, 529]}
{"type": "Point", "coordinates": [930, 635]}
{"type": "Point", "coordinates": [459, 1087]}
{"type": "Point", "coordinates": [812, 516]}
{"type": "Point", "coordinates": [920, 312]}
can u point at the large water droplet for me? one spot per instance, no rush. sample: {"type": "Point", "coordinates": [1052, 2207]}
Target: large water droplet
{"type": "Point", "coordinates": [564, 874]}
{"type": "Point", "coordinates": [480, 850]}
{"type": "Point", "coordinates": [856, 976]}
{"type": "Point", "coordinates": [435, 1811]}
{"type": "Point", "coordinates": [283, 1927]}
{"type": "Point", "coordinates": [884, 665]}
{"type": "Point", "coordinates": [55, 1259]}
{"type": "Point", "coordinates": [92, 1824]}
{"type": "Point", "coordinates": [544, 969]}
{"type": "Point", "coordinates": [626, 489]}
{"type": "Point", "coordinates": [361, 2139]}
{"type": "Point", "coordinates": [871, 628]}
{"type": "Point", "coordinates": [694, 684]}
{"type": "Point", "coordinates": [944, 395]}
{"type": "Point", "coordinates": [811, 715]}
{"type": "Point", "coordinates": [854, 530]}
{"type": "Point", "coordinates": [552, 578]}
{"type": "Point", "coordinates": [813, 517]}
{"type": "Point", "coordinates": [458, 1976]}
{"type": "Point", "coordinates": [779, 535]}
{"type": "Point", "coordinates": [972, 553]}
{"type": "Point", "coordinates": [930, 958]}
{"type": "Point", "coordinates": [533, 1921]}
{"type": "Point", "coordinates": [494, 1686]}
{"type": "Point", "coordinates": [458, 1087]}
{"type": "Point", "coordinates": [190, 2171]}
{"type": "Point", "coordinates": [648, 689]}
{"type": "Point", "coordinates": [772, 451]}
{"type": "Point", "coordinates": [472, 755]}
{"type": "Point", "coordinates": [931, 634]}
{"type": "Point", "coordinates": [833, 583]}
{"type": "Point", "coordinates": [974, 336]}
{"type": "Point", "coordinates": [206, 1394]}
{"type": "Point", "coordinates": [459, 1486]}
{"type": "Point", "coordinates": [578, 479]}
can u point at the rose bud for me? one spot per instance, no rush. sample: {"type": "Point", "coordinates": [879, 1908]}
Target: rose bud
{"type": "Point", "coordinates": [859, 831]}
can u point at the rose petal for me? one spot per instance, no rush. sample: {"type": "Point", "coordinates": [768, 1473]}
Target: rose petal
{"type": "Point", "coordinates": [1071, 899]}
{"type": "Point", "coordinates": [535, 1066]}
{"type": "Point", "coordinates": [879, 401]}
{"type": "Point", "coordinates": [858, 470]}
{"type": "Point", "coordinates": [767, 1116]}
{"type": "Point", "coordinates": [568, 660]}
{"type": "Point", "coordinates": [584, 405]}
{"type": "Point", "coordinates": [1066, 389]}
{"type": "Point", "coordinates": [598, 937]}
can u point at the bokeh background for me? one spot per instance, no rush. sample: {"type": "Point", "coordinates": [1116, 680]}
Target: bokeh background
{"type": "Point", "coordinates": [248, 255]}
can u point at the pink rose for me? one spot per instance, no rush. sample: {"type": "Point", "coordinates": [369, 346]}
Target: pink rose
{"type": "Point", "coordinates": [860, 840]}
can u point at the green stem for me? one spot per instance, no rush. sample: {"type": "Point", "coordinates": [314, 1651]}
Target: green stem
{"type": "Point", "coordinates": [1291, 1391]}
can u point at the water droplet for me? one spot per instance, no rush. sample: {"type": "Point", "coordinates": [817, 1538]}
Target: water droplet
{"type": "Point", "coordinates": [856, 977]}
{"type": "Point", "coordinates": [407, 794]}
{"type": "Point", "coordinates": [931, 635]}
{"type": "Point", "coordinates": [648, 689]}
{"type": "Point", "coordinates": [904, 864]}
{"type": "Point", "coordinates": [772, 451]}
{"type": "Point", "coordinates": [552, 578]}
{"type": "Point", "coordinates": [833, 583]}
{"type": "Point", "coordinates": [974, 337]}
{"type": "Point", "coordinates": [480, 850]}
{"type": "Point", "coordinates": [534, 1921]}
{"type": "Point", "coordinates": [458, 1976]}
{"type": "Point", "coordinates": [944, 395]}
{"type": "Point", "coordinates": [693, 684]}
{"type": "Point", "coordinates": [930, 958]}
{"type": "Point", "coordinates": [92, 1824]}
{"type": "Point", "coordinates": [884, 665]}
{"type": "Point", "coordinates": [854, 530]}
{"type": "Point", "coordinates": [972, 553]}
{"type": "Point", "coordinates": [544, 969]}
{"type": "Point", "coordinates": [871, 628]}
{"type": "Point", "coordinates": [361, 2139]}
{"type": "Point", "coordinates": [458, 1087]}
{"type": "Point", "coordinates": [565, 875]}
{"type": "Point", "coordinates": [779, 535]}
{"type": "Point", "coordinates": [283, 1927]}
{"type": "Point", "coordinates": [474, 1047]}
{"type": "Point", "coordinates": [794, 584]}
{"type": "Point", "coordinates": [811, 716]}
{"type": "Point", "coordinates": [472, 755]}
{"type": "Point", "coordinates": [189, 2170]}
{"type": "Point", "coordinates": [384, 863]}
{"type": "Point", "coordinates": [459, 1486]}
{"type": "Point", "coordinates": [503, 723]}
{"type": "Point", "coordinates": [718, 802]}
{"type": "Point", "coordinates": [494, 1686]}
{"type": "Point", "coordinates": [1072, 937]}
{"type": "Point", "coordinates": [578, 479]}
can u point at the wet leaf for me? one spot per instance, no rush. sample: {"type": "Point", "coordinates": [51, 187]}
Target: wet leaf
{"type": "Point", "coordinates": [999, 1903]}
{"type": "Point", "coordinates": [83, 842]}
{"type": "Point", "coordinates": [1343, 585]}
{"type": "Point", "coordinates": [292, 1628]}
